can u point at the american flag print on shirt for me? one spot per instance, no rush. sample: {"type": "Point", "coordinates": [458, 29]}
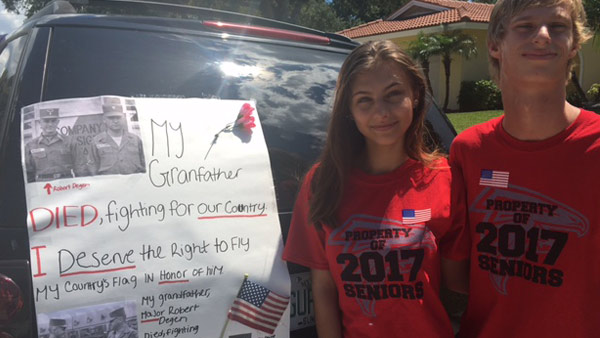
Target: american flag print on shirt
{"type": "Point", "coordinates": [258, 307]}
{"type": "Point", "coordinates": [412, 216]}
{"type": "Point", "coordinates": [494, 178]}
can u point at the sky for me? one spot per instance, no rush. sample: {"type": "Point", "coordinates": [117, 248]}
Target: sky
{"type": "Point", "coordinates": [9, 21]}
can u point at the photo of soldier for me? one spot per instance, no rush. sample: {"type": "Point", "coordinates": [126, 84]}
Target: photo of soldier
{"type": "Point", "coordinates": [118, 325]}
{"type": "Point", "coordinates": [117, 319]}
{"type": "Point", "coordinates": [58, 328]}
{"type": "Point", "coordinates": [116, 151]}
{"type": "Point", "coordinates": [50, 155]}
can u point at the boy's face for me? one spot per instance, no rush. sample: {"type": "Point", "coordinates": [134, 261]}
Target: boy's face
{"type": "Point", "coordinates": [537, 45]}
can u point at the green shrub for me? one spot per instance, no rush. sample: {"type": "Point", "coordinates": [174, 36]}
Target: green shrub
{"type": "Point", "coordinates": [479, 95]}
{"type": "Point", "coordinates": [594, 93]}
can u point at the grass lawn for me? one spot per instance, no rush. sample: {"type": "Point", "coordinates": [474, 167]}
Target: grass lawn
{"type": "Point", "coordinates": [462, 121]}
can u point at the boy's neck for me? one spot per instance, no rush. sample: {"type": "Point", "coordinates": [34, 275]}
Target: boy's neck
{"type": "Point", "coordinates": [535, 112]}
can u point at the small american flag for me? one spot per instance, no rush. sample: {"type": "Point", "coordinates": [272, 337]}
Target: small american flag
{"type": "Point", "coordinates": [258, 307]}
{"type": "Point", "coordinates": [412, 216]}
{"type": "Point", "coordinates": [493, 178]}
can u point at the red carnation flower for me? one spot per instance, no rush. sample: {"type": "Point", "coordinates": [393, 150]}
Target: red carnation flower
{"type": "Point", "coordinates": [243, 121]}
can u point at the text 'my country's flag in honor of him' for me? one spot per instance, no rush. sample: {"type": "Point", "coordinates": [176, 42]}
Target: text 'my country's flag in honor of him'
{"type": "Point", "coordinates": [494, 178]}
{"type": "Point", "coordinates": [258, 307]}
{"type": "Point", "coordinates": [412, 216]}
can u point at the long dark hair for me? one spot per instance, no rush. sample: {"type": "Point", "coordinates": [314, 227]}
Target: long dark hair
{"type": "Point", "coordinates": [344, 141]}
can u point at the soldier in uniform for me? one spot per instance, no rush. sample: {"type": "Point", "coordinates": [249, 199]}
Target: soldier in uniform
{"type": "Point", "coordinates": [118, 325]}
{"type": "Point", "coordinates": [58, 328]}
{"type": "Point", "coordinates": [50, 155]}
{"type": "Point", "coordinates": [116, 151]}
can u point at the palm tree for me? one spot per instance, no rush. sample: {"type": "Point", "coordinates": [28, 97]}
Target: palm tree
{"type": "Point", "coordinates": [420, 50]}
{"type": "Point", "coordinates": [448, 43]}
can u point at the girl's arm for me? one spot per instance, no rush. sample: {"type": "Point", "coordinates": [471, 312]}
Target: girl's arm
{"type": "Point", "coordinates": [327, 311]}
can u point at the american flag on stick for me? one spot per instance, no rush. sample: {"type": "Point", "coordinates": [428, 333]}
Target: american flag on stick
{"type": "Point", "coordinates": [258, 307]}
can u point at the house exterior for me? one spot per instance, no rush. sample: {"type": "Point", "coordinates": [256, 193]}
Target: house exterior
{"type": "Point", "coordinates": [436, 16]}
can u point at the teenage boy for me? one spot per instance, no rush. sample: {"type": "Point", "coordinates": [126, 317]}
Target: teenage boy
{"type": "Point", "coordinates": [526, 184]}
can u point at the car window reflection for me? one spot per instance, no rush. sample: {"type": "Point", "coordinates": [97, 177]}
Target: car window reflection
{"type": "Point", "coordinates": [293, 86]}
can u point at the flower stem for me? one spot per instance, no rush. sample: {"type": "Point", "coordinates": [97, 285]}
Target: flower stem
{"type": "Point", "coordinates": [227, 127]}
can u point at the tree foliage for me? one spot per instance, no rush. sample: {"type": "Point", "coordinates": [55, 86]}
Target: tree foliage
{"type": "Point", "coordinates": [421, 50]}
{"type": "Point", "coordinates": [318, 14]}
{"type": "Point", "coordinates": [592, 10]}
{"type": "Point", "coordinates": [450, 43]}
{"type": "Point", "coordinates": [26, 7]}
{"type": "Point", "coordinates": [355, 12]}
{"type": "Point", "coordinates": [445, 45]}
{"type": "Point", "coordinates": [331, 15]}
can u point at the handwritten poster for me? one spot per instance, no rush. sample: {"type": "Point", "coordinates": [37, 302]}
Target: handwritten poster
{"type": "Point", "coordinates": [146, 215]}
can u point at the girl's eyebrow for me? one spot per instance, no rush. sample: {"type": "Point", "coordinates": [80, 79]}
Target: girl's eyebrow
{"type": "Point", "coordinates": [393, 84]}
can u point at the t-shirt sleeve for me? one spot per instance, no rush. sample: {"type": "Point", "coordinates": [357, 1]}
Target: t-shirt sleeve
{"type": "Point", "coordinates": [305, 243]}
{"type": "Point", "coordinates": [456, 244]}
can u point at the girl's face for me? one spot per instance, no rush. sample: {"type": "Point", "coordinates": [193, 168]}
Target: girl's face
{"type": "Point", "coordinates": [382, 102]}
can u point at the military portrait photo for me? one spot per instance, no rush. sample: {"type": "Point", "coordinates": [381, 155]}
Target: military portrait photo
{"type": "Point", "coordinates": [110, 320]}
{"type": "Point", "coordinates": [116, 150]}
{"type": "Point", "coordinates": [119, 327]}
{"type": "Point", "coordinates": [74, 138]}
{"type": "Point", "coordinates": [49, 156]}
{"type": "Point", "coordinates": [58, 328]}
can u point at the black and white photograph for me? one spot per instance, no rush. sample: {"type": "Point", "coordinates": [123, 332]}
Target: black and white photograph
{"type": "Point", "coordinates": [82, 137]}
{"type": "Point", "coordinates": [112, 320]}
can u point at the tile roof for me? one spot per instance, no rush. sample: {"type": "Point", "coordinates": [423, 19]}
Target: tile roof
{"type": "Point", "coordinates": [458, 11]}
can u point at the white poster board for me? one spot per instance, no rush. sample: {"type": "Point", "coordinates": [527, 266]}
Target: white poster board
{"type": "Point", "coordinates": [167, 243]}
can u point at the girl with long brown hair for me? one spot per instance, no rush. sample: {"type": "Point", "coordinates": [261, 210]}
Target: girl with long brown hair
{"type": "Point", "coordinates": [373, 213]}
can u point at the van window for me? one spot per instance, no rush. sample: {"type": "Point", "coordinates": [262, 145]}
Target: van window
{"type": "Point", "coordinates": [13, 236]}
{"type": "Point", "coordinates": [292, 85]}
{"type": "Point", "coordinates": [9, 60]}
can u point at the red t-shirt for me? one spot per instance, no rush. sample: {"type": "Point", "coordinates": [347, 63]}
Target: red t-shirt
{"type": "Point", "coordinates": [534, 222]}
{"type": "Point", "coordinates": [384, 255]}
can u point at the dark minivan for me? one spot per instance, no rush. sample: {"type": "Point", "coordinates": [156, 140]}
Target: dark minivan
{"type": "Point", "coordinates": [144, 49]}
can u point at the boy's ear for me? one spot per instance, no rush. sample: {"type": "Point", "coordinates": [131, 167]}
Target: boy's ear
{"type": "Point", "coordinates": [573, 52]}
{"type": "Point", "coordinates": [493, 50]}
